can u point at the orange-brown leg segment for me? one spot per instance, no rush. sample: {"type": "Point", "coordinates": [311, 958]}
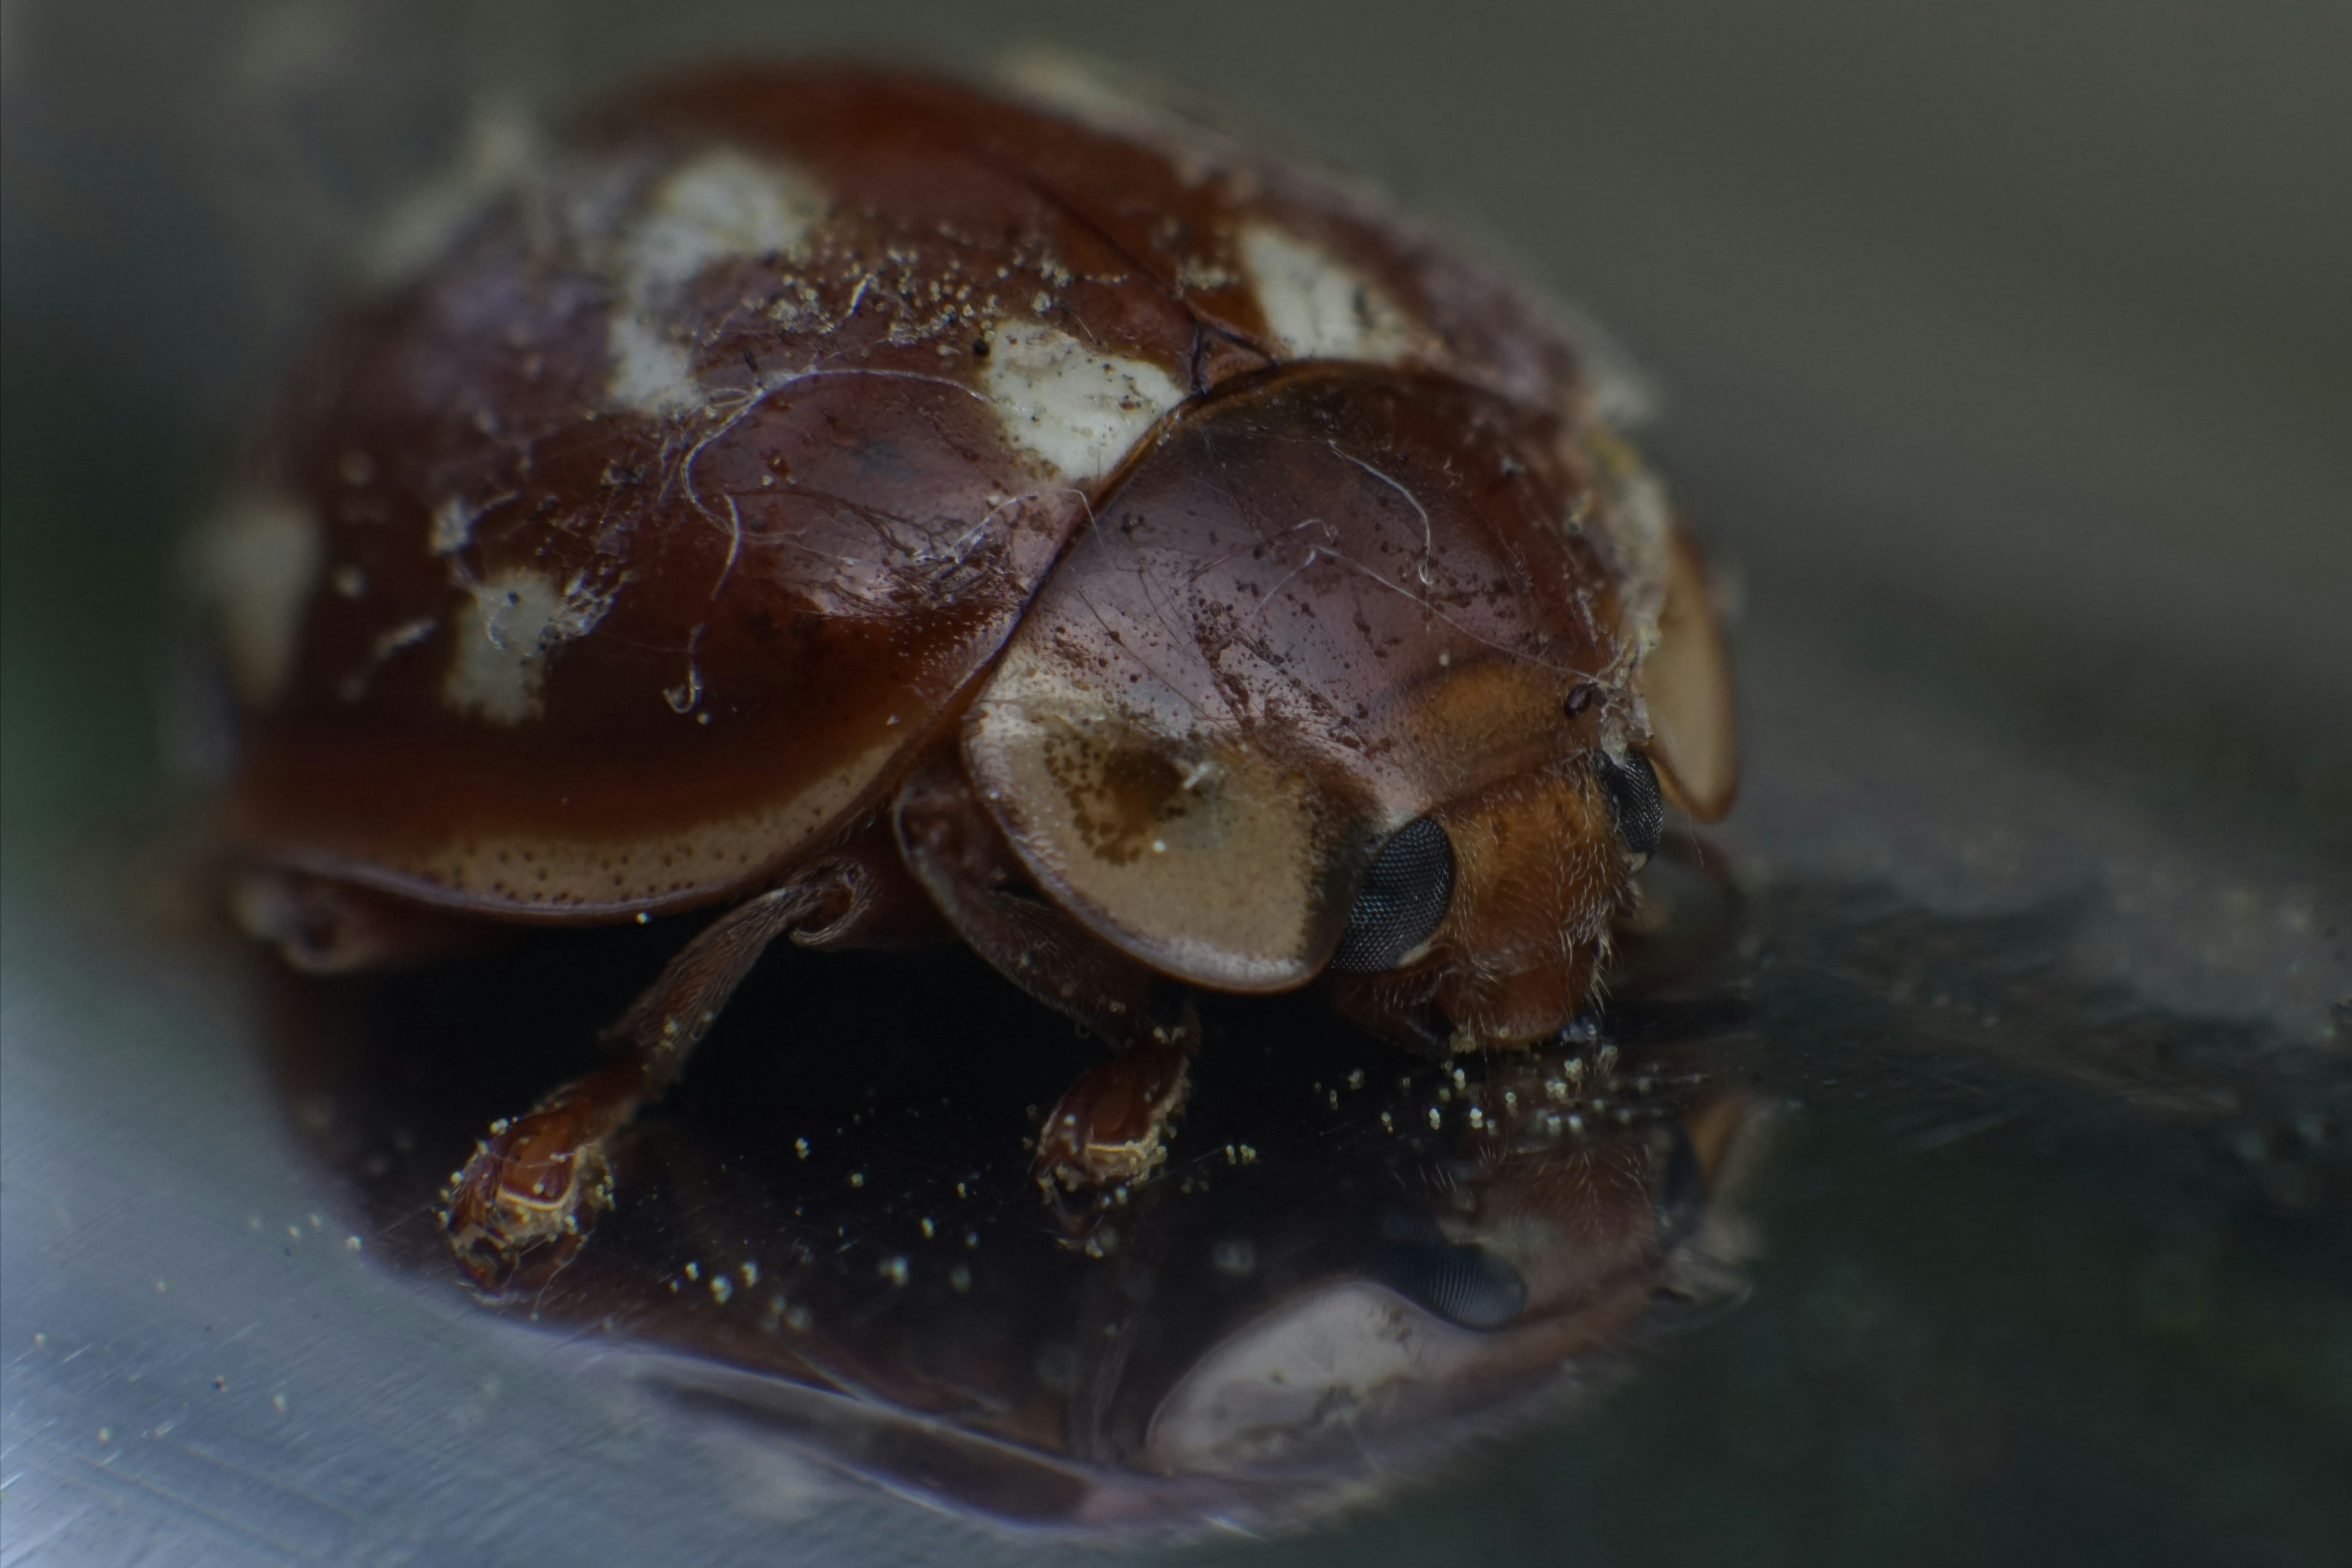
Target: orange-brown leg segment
{"type": "Point", "coordinates": [1109, 1128]}
{"type": "Point", "coordinates": [525, 1202]}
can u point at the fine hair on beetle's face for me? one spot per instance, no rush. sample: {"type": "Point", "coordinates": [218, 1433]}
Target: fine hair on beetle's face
{"type": "Point", "coordinates": [1535, 872]}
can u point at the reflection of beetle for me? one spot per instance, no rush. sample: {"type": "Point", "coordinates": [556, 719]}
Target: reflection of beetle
{"type": "Point", "coordinates": [873, 506]}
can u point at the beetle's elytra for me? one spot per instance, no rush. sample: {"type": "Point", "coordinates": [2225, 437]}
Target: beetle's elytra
{"type": "Point", "coordinates": [886, 509]}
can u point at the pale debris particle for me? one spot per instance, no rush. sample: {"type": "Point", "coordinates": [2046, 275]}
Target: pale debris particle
{"type": "Point", "coordinates": [452, 527]}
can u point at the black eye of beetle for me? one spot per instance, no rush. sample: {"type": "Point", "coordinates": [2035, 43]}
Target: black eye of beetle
{"type": "Point", "coordinates": [1631, 786]}
{"type": "Point", "coordinates": [1404, 896]}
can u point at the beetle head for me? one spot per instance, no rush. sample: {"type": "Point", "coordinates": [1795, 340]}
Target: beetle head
{"type": "Point", "coordinates": [1539, 870]}
{"type": "Point", "coordinates": [1323, 686]}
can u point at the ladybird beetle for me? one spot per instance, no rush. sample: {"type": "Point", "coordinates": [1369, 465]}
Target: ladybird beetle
{"type": "Point", "coordinates": [882, 508]}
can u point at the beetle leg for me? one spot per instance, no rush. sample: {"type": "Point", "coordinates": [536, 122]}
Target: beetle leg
{"type": "Point", "coordinates": [1109, 1129]}
{"type": "Point", "coordinates": [523, 1206]}
{"type": "Point", "coordinates": [320, 926]}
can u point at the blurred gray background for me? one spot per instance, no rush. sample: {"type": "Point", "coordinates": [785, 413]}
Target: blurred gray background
{"type": "Point", "coordinates": [2006, 354]}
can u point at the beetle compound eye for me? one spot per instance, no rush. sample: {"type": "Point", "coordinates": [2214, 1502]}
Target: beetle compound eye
{"type": "Point", "coordinates": [1632, 789]}
{"type": "Point", "coordinates": [1404, 896]}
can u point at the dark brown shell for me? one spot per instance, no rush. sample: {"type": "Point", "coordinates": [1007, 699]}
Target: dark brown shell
{"type": "Point", "coordinates": [636, 549]}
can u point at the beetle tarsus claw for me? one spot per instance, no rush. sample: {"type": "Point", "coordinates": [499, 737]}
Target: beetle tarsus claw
{"type": "Point", "coordinates": [523, 1206]}
{"type": "Point", "coordinates": [1108, 1131]}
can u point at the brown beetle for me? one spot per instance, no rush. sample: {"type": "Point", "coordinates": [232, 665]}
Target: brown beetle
{"type": "Point", "coordinates": [882, 508]}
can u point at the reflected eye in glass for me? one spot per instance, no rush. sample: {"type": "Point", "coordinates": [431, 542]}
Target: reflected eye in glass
{"type": "Point", "coordinates": [1682, 1194]}
{"type": "Point", "coordinates": [1404, 899]}
{"type": "Point", "coordinates": [1462, 1282]}
{"type": "Point", "coordinates": [1631, 786]}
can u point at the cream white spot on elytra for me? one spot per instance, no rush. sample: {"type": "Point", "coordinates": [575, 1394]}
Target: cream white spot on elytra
{"type": "Point", "coordinates": [503, 148]}
{"type": "Point", "coordinates": [1124, 103]}
{"type": "Point", "coordinates": [720, 205]}
{"type": "Point", "coordinates": [1318, 306]}
{"type": "Point", "coordinates": [1637, 521]}
{"type": "Point", "coordinates": [651, 372]}
{"type": "Point", "coordinates": [257, 563]}
{"type": "Point", "coordinates": [1067, 402]}
{"type": "Point", "coordinates": [498, 670]}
